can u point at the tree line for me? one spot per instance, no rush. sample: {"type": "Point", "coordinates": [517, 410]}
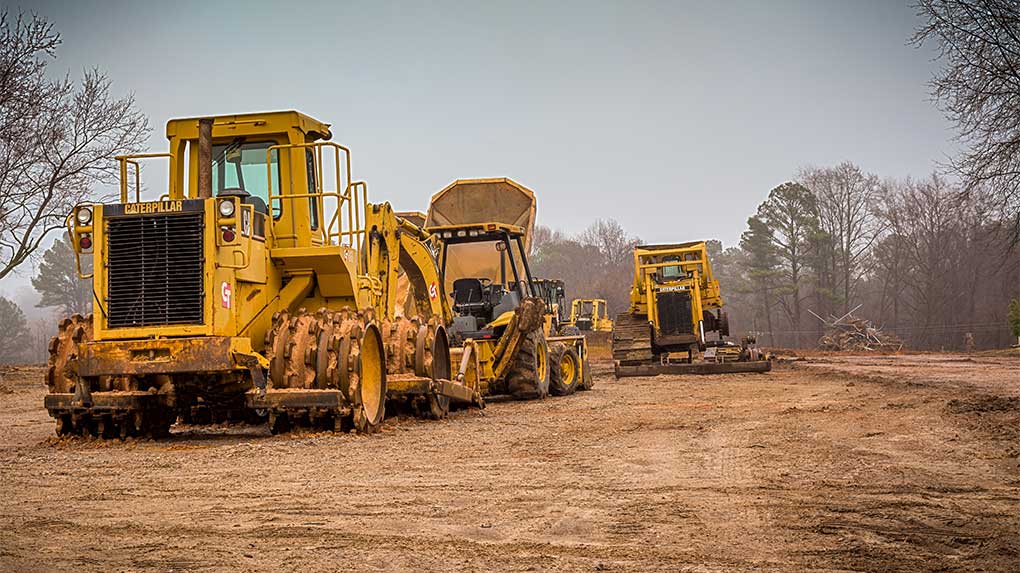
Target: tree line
{"type": "Point", "coordinates": [919, 258]}
{"type": "Point", "coordinates": [930, 259]}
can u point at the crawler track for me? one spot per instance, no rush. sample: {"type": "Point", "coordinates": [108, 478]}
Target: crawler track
{"type": "Point", "coordinates": [632, 340]}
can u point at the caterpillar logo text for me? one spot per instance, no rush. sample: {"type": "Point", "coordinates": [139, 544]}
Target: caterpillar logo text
{"type": "Point", "coordinates": [153, 207]}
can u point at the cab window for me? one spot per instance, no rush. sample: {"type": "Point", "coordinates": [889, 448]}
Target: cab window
{"type": "Point", "coordinates": [239, 165]}
{"type": "Point", "coordinates": [672, 273]}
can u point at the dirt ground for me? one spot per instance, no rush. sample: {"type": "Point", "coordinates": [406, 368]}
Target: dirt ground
{"type": "Point", "coordinates": [906, 463]}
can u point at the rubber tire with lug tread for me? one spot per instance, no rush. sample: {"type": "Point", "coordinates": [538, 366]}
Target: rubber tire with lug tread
{"type": "Point", "coordinates": [529, 375]}
{"type": "Point", "coordinates": [563, 381]}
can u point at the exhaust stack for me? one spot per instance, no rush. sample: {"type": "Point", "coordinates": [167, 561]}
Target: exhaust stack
{"type": "Point", "coordinates": [205, 158]}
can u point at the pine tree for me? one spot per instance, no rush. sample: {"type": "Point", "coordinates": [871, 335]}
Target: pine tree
{"type": "Point", "coordinates": [14, 335]}
{"type": "Point", "coordinates": [756, 241]}
{"type": "Point", "coordinates": [58, 283]}
{"type": "Point", "coordinates": [791, 214]}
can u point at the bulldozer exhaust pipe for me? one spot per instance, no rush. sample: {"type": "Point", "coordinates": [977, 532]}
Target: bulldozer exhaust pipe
{"type": "Point", "coordinates": [205, 158]}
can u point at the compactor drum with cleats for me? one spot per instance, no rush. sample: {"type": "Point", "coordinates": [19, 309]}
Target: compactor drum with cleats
{"type": "Point", "coordinates": [252, 289]}
{"type": "Point", "coordinates": [502, 344]}
{"type": "Point", "coordinates": [674, 302]}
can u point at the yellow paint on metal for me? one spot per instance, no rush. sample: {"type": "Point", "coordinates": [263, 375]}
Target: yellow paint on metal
{"type": "Point", "coordinates": [372, 378]}
{"type": "Point", "coordinates": [594, 309]}
{"type": "Point", "coordinates": [542, 361]}
{"type": "Point", "coordinates": [682, 266]}
{"type": "Point", "coordinates": [568, 369]}
{"type": "Point", "coordinates": [313, 248]}
{"type": "Point", "coordinates": [501, 320]}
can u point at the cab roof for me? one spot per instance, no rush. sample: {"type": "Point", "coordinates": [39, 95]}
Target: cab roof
{"type": "Point", "coordinates": [250, 123]}
{"type": "Point", "coordinates": [481, 229]}
{"type": "Point", "coordinates": [492, 200]}
{"type": "Point", "coordinates": [670, 246]}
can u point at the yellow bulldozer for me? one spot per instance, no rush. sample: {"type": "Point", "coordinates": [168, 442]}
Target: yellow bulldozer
{"type": "Point", "coordinates": [590, 315]}
{"type": "Point", "coordinates": [500, 332]}
{"type": "Point", "coordinates": [674, 303]}
{"type": "Point", "coordinates": [261, 285]}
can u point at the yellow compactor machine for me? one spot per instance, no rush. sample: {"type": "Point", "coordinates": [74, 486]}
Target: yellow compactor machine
{"type": "Point", "coordinates": [500, 333]}
{"type": "Point", "coordinates": [674, 304]}
{"type": "Point", "coordinates": [261, 285]}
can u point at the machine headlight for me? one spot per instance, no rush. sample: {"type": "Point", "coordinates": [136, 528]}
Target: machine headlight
{"type": "Point", "coordinates": [84, 215]}
{"type": "Point", "coordinates": [226, 208]}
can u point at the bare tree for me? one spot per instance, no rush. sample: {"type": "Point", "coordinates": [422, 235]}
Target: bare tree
{"type": "Point", "coordinates": [610, 238]}
{"type": "Point", "coordinates": [890, 254]}
{"type": "Point", "coordinates": [598, 262]}
{"type": "Point", "coordinates": [932, 227]}
{"type": "Point", "coordinates": [57, 138]}
{"type": "Point", "coordinates": [978, 42]}
{"type": "Point", "coordinates": [847, 199]}
{"type": "Point", "coordinates": [942, 266]}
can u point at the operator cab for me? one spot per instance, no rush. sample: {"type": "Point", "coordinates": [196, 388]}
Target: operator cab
{"type": "Point", "coordinates": [553, 293]}
{"type": "Point", "coordinates": [585, 314]}
{"type": "Point", "coordinates": [490, 276]}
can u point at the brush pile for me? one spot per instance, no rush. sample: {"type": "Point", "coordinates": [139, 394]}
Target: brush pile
{"type": "Point", "coordinates": [851, 334]}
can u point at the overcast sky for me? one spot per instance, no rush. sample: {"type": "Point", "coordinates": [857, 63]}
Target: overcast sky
{"type": "Point", "coordinates": [674, 118]}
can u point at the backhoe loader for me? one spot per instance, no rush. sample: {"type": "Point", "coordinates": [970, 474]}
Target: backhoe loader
{"type": "Point", "coordinates": [499, 333]}
{"type": "Point", "coordinates": [671, 309]}
{"type": "Point", "coordinates": [261, 285]}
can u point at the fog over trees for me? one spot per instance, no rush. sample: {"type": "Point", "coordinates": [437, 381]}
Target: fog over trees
{"type": "Point", "coordinates": [931, 257]}
{"type": "Point", "coordinates": [58, 138]}
{"type": "Point", "coordinates": [918, 257]}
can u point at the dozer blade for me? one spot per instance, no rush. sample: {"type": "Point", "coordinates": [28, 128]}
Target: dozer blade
{"type": "Point", "coordinates": [695, 368]}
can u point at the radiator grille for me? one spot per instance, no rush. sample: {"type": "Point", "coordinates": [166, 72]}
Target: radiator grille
{"type": "Point", "coordinates": [154, 270]}
{"type": "Point", "coordinates": [675, 313]}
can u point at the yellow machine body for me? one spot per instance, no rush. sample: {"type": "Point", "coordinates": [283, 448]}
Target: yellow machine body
{"type": "Point", "coordinates": [262, 247]}
{"type": "Point", "coordinates": [590, 314]}
{"type": "Point", "coordinates": [682, 270]}
{"type": "Point", "coordinates": [674, 302]}
{"type": "Point", "coordinates": [500, 332]}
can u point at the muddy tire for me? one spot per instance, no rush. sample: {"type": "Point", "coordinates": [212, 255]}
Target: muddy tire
{"type": "Point", "coordinates": [529, 376]}
{"type": "Point", "coordinates": [564, 370]}
{"type": "Point", "coordinates": [64, 348]}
